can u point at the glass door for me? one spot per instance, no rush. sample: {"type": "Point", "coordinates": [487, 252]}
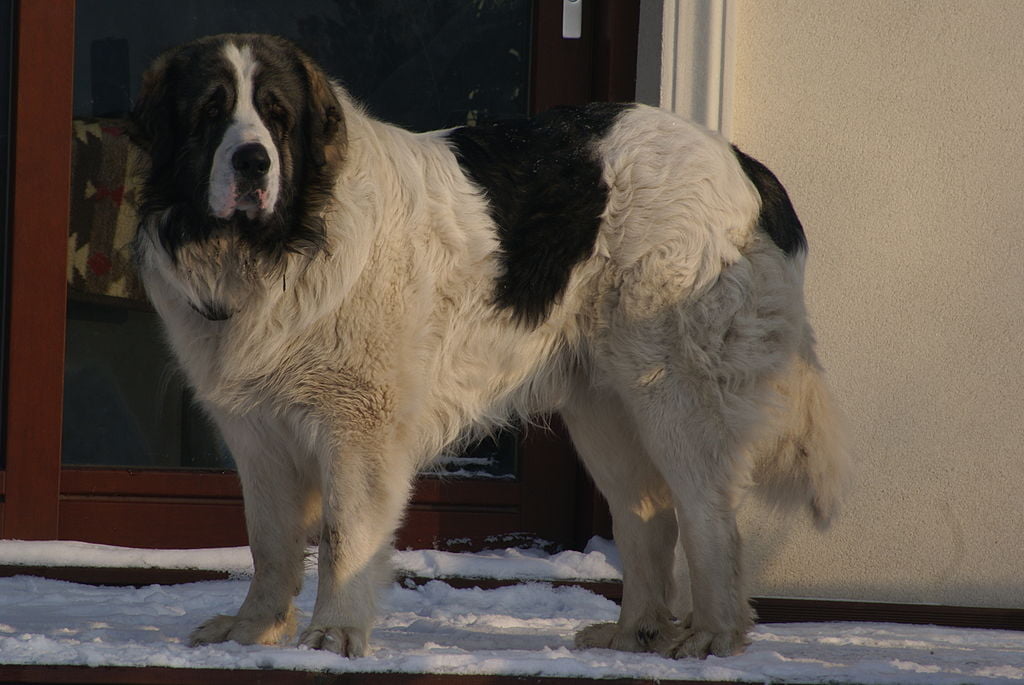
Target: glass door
{"type": "Point", "coordinates": [131, 461]}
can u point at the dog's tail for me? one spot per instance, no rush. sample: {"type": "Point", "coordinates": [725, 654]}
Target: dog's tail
{"type": "Point", "coordinates": [803, 458]}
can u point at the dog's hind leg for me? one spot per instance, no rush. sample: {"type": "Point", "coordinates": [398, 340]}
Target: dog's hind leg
{"type": "Point", "coordinates": [643, 517]}
{"type": "Point", "coordinates": [696, 375]}
{"type": "Point", "coordinates": [279, 509]}
{"type": "Point", "coordinates": [696, 380]}
{"type": "Point", "coordinates": [686, 437]}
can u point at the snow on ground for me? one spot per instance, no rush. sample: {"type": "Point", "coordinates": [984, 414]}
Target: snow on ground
{"type": "Point", "coordinates": [599, 561]}
{"type": "Point", "coordinates": [519, 630]}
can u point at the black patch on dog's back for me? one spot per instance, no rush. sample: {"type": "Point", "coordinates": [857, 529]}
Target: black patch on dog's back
{"type": "Point", "coordinates": [545, 194]}
{"type": "Point", "coordinates": [778, 218]}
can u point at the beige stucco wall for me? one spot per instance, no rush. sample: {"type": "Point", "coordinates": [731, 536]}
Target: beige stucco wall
{"type": "Point", "coordinates": [898, 128]}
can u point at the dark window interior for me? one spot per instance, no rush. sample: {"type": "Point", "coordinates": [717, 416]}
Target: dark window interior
{"type": "Point", "coordinates": [423, 65]}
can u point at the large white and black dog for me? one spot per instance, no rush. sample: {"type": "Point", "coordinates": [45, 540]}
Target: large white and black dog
{"type": "Point", "coordinates": [348, 298]}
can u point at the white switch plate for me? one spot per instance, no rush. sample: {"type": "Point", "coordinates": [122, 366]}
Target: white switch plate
{"type": "Point", "coordinates": [572, 18]}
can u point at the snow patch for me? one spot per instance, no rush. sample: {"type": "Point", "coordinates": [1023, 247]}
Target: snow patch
{"type": "Point", "coordinates": [524, 629]}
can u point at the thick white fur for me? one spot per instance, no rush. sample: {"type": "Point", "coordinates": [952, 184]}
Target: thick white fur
{"type": "Point", "coordinates": [679, 355]}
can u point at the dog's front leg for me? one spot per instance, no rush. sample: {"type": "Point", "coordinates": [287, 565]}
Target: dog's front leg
{"type": "Point", "coordinates": [279, 509]}
{"type": "Point", "coordinates": [365, 492]}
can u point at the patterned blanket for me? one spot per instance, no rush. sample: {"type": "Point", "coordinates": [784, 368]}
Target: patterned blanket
{"type": "Point", "coordinates": [103, 217]}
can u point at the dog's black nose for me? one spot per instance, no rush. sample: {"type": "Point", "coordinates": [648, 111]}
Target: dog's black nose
{"type": "Point", "coordinates": [251, 161]}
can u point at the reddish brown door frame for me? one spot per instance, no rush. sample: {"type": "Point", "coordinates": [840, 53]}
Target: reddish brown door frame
{"type": "Point", "coordinates": [600, 65]}
{"type": "Point", "coordinates": [91, 503]}
{"type": "Point", "coordinates": [40, 175]}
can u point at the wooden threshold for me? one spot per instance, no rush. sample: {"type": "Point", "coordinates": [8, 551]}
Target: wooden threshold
{"type": "Point", "coordinates": [172, 509]}
{"type": "Point", "coordinates": [174, 676]}
{"type": "Point", "coordinates": [115, 577]}
{"type": "Point", "coordinates": [92, 482]}
{"type": "Point", "coordinates": [769, 609]}
{"type": "Point", "coordinates": [788, 610]}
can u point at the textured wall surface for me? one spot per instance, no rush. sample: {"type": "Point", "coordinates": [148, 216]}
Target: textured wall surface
{"type": "Point", "coordinates": [898, 128]}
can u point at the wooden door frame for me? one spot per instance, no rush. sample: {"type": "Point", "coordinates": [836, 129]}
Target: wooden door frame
{"type": "Point", "coordinates": [39, 176]}
{"type": "Point", "coordinates": [41, 500]}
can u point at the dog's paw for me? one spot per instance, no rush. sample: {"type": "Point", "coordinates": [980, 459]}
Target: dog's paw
{"type": "Point", "coordinates": [350, 642]}
{"type": "Point", "coordinates": [698, 644]}
{"type": "Point", "coordinates": [615, 636]}
{"type": "Point", "coordinates": [596, 636]}
{"type": "Point", "coordinates": [246, 631]}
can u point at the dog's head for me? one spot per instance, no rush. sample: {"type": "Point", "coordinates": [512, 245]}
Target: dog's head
{"type": "Point", "coordinates": [244, 134]}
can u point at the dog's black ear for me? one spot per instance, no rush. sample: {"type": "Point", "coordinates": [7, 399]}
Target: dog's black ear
{"type": "Point", "coordinates": [154, 108]}
{"type": "Point", "coordinates": [325, 123]}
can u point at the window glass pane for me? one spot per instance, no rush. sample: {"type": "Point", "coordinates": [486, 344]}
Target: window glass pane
{"type": "Point", "coordinates": [425, 64]}
{"type": "Point", "coordinates": [493, 458]}
{"type": "Point", "coordinates": [123, 403]}
{"type": "Point", "coordinates": [422, 64]}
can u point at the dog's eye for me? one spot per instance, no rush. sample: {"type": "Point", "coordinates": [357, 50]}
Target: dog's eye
{"type": "Point", "coordinates": [212, 110]}
{"type": "Point", "coordinates": [277, 112]}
